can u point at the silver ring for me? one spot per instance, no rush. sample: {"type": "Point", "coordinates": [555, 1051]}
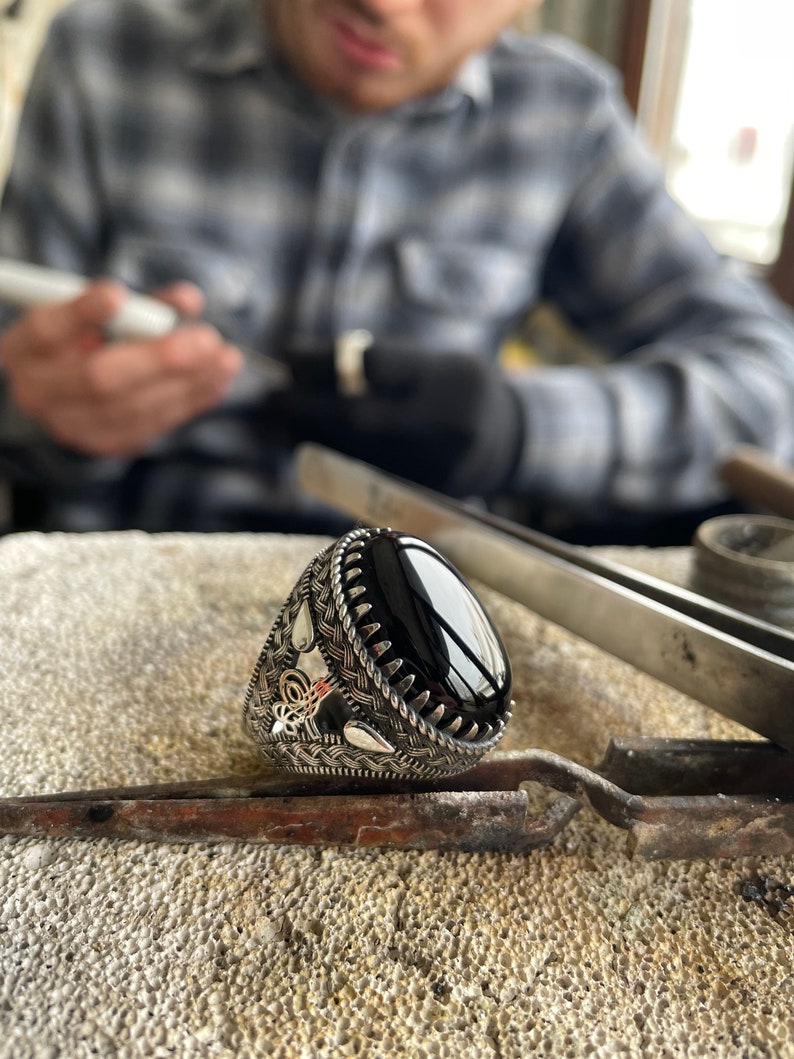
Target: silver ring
{"type": "Point", "coordinates": [382, 662]}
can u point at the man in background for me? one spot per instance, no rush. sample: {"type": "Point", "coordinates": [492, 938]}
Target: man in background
{"type": "Point", "coordinates": [292, 172]}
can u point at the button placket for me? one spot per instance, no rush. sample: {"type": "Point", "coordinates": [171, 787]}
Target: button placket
{"type": "Point", "coordinates": [335, 232]}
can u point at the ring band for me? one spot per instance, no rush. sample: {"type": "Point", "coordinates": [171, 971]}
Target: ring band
{"type": "Point", "coordinates": [401, 674]}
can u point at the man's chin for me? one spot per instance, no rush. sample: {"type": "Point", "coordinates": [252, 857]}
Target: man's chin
{"type": "Point", "coordinates": [363, 93]}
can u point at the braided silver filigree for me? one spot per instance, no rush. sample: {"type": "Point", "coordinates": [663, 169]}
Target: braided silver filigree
{"type": "Point", "coordinates": [327, 694]}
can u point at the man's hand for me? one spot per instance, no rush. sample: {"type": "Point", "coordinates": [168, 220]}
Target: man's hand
{"type": "Point", "coordinates": [111, 398]}
{"type": "Point", "coordinates": [449, 421]}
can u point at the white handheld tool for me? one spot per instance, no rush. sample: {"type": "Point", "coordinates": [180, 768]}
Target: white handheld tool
{"type": "Point", "coordinates": [27, 285]}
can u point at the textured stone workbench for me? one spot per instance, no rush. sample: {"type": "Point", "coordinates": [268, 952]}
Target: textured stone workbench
{"type": "Point", "coordinates": [124, 659]}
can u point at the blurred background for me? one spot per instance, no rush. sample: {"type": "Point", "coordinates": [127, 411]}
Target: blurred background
{"type": "Point", "coordinates": [711, 82]}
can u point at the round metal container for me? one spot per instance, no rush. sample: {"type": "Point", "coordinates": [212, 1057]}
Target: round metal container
{"type": "Point", "coordinates": [747, 562]}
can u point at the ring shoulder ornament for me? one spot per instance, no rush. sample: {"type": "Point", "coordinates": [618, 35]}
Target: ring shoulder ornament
{"type": "Point", "coordinates": [382, 662]}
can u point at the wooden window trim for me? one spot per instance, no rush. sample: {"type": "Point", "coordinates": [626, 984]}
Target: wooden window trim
{"type": "Point", "coordinates": [636, 21]}
{"type": "Point", "coordinates": [781, 274]}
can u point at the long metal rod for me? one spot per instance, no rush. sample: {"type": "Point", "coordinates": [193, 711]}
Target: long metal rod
{"type": "Point", "coordinates": [745, 673]}
{"type": "Point", "coordinates": [675, 798]}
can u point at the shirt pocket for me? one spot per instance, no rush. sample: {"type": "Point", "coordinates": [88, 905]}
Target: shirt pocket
{"type": "Point", "coordinates": [484, 280]}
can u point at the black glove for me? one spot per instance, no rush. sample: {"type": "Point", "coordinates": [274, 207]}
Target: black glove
{"type": "Point", "coordinates": [448, 421]}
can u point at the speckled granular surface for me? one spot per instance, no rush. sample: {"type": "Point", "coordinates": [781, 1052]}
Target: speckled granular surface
{"type": "Point", "coordinates": [124, 659]}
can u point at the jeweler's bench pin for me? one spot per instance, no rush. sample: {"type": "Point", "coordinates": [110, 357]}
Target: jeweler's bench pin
{"type": "Point", "coordinates": [382, 662]}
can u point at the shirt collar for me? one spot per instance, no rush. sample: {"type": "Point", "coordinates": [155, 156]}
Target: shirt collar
{"type": "Point", "coordinates": [473, 82]}
{"type": "Point", "coordinates": [474, 79]}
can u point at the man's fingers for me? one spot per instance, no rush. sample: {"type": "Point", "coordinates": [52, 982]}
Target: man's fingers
{"type": "Point", "coordinates": [116, 399]}
{"type": "Point", "coordinates": [48, 329]}
{"type": "Point", "coordinates": [186, 298]}
{"type": "Point", "coordinates": [123, 428]}
{"type": "Point", "coordinates": [112, 398]}
{"type": "Point", "coordinates": [186, 351]}
{"type": "Point", "coordinates": [115, 370]}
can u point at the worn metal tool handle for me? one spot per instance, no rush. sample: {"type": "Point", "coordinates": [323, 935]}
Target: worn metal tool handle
{"type": "Point", "coordinates": [756, 478]}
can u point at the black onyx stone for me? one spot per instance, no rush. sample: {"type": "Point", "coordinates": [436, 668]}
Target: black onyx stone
{"type": "Point", "coordinates": [436, 625]}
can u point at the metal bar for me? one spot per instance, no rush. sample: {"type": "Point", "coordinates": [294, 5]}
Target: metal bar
{"type": "Point", "coordinates": [732, 675]}
{"type": "Point", "coordinates": [460, 820]}
{"type": "Point", "coordinates": [773, 639]}
{"type": "Point", "coordinates": [705, 798]}
{"type": "Point", "coordinates": [439, 510]}
{"type": "Point", "coordinates": [499, 771]}
{"type": "Point", "coordinates": [699, 828]}
{"type": "Point", "coordinates": [699, 767]}
{"type": "Point", "coordinates": [677, 820]}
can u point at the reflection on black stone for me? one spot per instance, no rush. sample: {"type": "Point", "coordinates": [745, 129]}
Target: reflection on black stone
{"type": "Point", "coordinates": [435, 624]}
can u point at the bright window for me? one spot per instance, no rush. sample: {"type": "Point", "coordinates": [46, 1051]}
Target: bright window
{"type": "Point", "coordinates": [718, 105]}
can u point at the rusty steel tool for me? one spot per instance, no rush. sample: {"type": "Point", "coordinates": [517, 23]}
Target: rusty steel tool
{"type": "Point", "coordinates": [675, 798]}
{"type": "Point", "coordinates": [738, 665]}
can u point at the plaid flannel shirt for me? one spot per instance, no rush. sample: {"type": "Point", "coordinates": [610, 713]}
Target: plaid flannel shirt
{"type": "Point", "coordinates": [164, 139]}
